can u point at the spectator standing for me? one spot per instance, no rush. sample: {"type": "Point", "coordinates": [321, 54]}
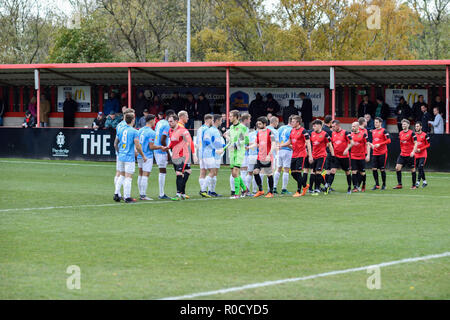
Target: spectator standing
{"type": "Point", "coordinates": [191, 108]}
{"type": "Point", "coordinates": [438, 122]}
{"type": "Point", "coordinates": [289, 110]}
{"type": "Point", "coordinates": [416, 109]}
{"type": "Point", "coordinates": [44, 110]}
{"type": "Point", "coordinates": [142, 123]}
{"type": "Point", "coordinates": [112, 104]}
{"type": "Point", "coordinates": [382, 111]}
{"type": "Point", "coordinates": [112, 120]}
{"type": "Point", "coordinates": [426, 117]}
{"type": "Point", "coordinates": [441, 105]}
{"type": "Point", "coordinates": [403, 111]}
{"type": "Point", "coordinates": [2, 111]}
{"type": "Point", "coordinates": [256, 109]}
{"type": "Point", "coordinates": [272, 105]}
{"type": "Point", "coordinates": [366, 107]}
{"type": "Point", "coordinates": [306, 110]}
{"type": "Point", "coordinates": [29, 121]}
{"type": "Point", "coordinates": [223, 125]}
{"type": "Point", "coordinates": [99, 122]}
{"type": "Point", "coordinates": [32, 107]}
{"type": "Point", "coordinates": [69, 108]}
{"type": "Point", "coordinates": [155, 107]}
{"type": "Point", "coordinates": [369, 122]}
{"type": "Point", "coordinates": [176, 103]}
{"type": "Point", "coordinates": [203, 106]}
{"type": "Point", "coordinates": [141, 104]}
{"type": "Point", "coordinates": [159, 117]}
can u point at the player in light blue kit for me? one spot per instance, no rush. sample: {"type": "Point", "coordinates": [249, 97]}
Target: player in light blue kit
{"type": "Point", "coordinates": [199, 146]}
{"type": "Point", "coordinates": [146, 139]}
{"type": "Point", "coordinates": [127, 139]}
{"type": "Point", "coordinates": [213, 144]}
{"type": "Point", "coordinates": [121, 124]}
{"type": "Point", "coordinates": [284, 157]}
{"type": "Point", "coordinates": [161, 156]}
{"type": "Point", "coordinates": [252, 157]}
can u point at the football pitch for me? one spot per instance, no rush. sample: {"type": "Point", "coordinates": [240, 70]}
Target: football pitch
{"type": "Point", "coordinates": [56, 214]}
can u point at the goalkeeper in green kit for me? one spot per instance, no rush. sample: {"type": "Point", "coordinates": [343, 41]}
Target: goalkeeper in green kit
{"type": "Point", "coordinates": [237, 137]}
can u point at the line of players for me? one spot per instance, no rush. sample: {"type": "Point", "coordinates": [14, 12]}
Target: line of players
{"type": "Point", "coordinates": [264, 152]}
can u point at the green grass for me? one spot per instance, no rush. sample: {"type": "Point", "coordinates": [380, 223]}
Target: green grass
{"type": "Point", "coordinates": [162, 249]}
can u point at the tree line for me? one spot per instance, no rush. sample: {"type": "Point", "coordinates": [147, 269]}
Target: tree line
{"type": "Point", "coordinates": [223, 30]}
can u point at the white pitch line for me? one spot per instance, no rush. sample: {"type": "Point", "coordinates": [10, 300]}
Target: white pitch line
{"type": "Point", "coordinates": [210, 199]}
{"type": "Point", "coordinates": [106, 205]}
{"type": "Point", "coordinates": [314, 276]}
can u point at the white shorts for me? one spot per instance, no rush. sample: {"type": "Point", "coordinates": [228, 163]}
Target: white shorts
{"type": "Point", "coordinates": [161, 160]}
{"type": "Point", "coordinates": [284, 158]}
{"type": "Point", "coordinates": [245, 162]}
{"type": "Point", "coordinates": [145, 166]}
{"type": "Point", "coordinates": [202, 163]}
{"type": "Point", "coordinates": [127, 167]}
{"type": "Point", "coordinates": [211, 163]}
{"type": "Point", "coordinates": [251, 162]}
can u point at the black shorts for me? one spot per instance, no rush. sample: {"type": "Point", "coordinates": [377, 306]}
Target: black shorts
{"type": "Point", "coordinates": [406, 161]}
{"type": "Point", "coordinates": [329, 162]}
{"type": "Point", "coordinates": [318, 164]}
{"type": "Point", "coordinates": [306, 164]}
{"type": "Point", "coordinates": [420, 162]}
{"type": "Point", "coordinates": [343, 163]}
{"type": "Point", "coordinates": [297, 164]}
{"type": "Point", "coordinates": [259, 165]}
{"type": "Point", "coordinates": [379, 161]}
{"type": "Point", "coordinates": [359, 165]}
{"type": "Point", "coordinates": [181, 167]}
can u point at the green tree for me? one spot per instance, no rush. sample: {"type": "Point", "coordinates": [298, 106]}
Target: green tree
{"type": "Point", "coordinates": [84, 44]}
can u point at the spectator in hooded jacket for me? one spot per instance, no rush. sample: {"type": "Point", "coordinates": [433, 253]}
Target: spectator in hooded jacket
{"type": "Point", "coordinates": [112, 104]}
{"type": "Point", "coordinates": [203, 106]}
{"type": "Point", "coordinates": [403, 111]}
{"type": "Point", "coordinates": [416, 109]}
{"type": "Point", "coordinates": [366, 107]}
{"type": "Point", "coordinates": [382, 111]}
{"type": "Point", "coordinates": [272, 106]}
{"type": "Point", "coordinates": [112, 120]}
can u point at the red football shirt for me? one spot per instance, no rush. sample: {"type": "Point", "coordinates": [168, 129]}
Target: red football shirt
{"type": "Point", "coordinates": [340, 142]}
{"type": "Point", "coordinates": [180, 140]}
{"type": "Point", "coordinates": [381, 137]}
{"type": "Point", "coordinates": [423, 142]}
{"type": "Point", "coordinates": [407, 140]}
{"type": "Point", "coordinates": [264, 142]}
{"type": "Point", "coordinates": [319, 141]}
{"type": "Point", "coordinates": [298, 139]}
{"type": "Point", "coordinates": [359, 148]}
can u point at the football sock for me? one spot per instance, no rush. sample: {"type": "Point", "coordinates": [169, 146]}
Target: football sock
{"type": "Point", "coordinates": [375, 177]}
{"type": "Point", "coordinates": [162, 182]}
{"type": "Point", "coordinates": [127, 188]}
{"type": "Point", "coordinates": [286, 179]}
{"type": "Point", "coordinates": [270, 180]}
{"type": "Point", "coordinates": [119, 184]}
{"type": "Point", "coordinates": [383, 177]}
{"type": "Point", "coordinates": [399, 177]}
{"type": "Point", "coordinates": [144, 184]}
{"type": "Point", "coordinates": [258, 181]}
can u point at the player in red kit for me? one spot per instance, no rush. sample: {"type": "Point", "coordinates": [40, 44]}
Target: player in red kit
{"type": "Point", "coordinates": [359, 155]}
{"type": "Point", "coordinates": [380, 140]}
{"type": "Point", "coordinates": [420, 157]}
{"type": "Point", "coordinates": [320, 140]}
{"type": "Point", "coordinates": [341, 143]}
{"type": "Point", "coordinates": [265, 142]}
{"type": "Point", "coordinates": [301, 153]}
{"type": "Point", "coordinates": [408, 147]}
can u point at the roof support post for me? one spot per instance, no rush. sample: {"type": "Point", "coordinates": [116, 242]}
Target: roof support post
{"type": "Point", "coordinates": [333, 93]}
{"type": "Point", "coordinates": [447, 99]}
{"type": "Point", "coordinates": [129, 87]}
{"type": "Point", "coordinates": [227, 95]}
{"type": "Point", "coordinates": [37, 86]}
